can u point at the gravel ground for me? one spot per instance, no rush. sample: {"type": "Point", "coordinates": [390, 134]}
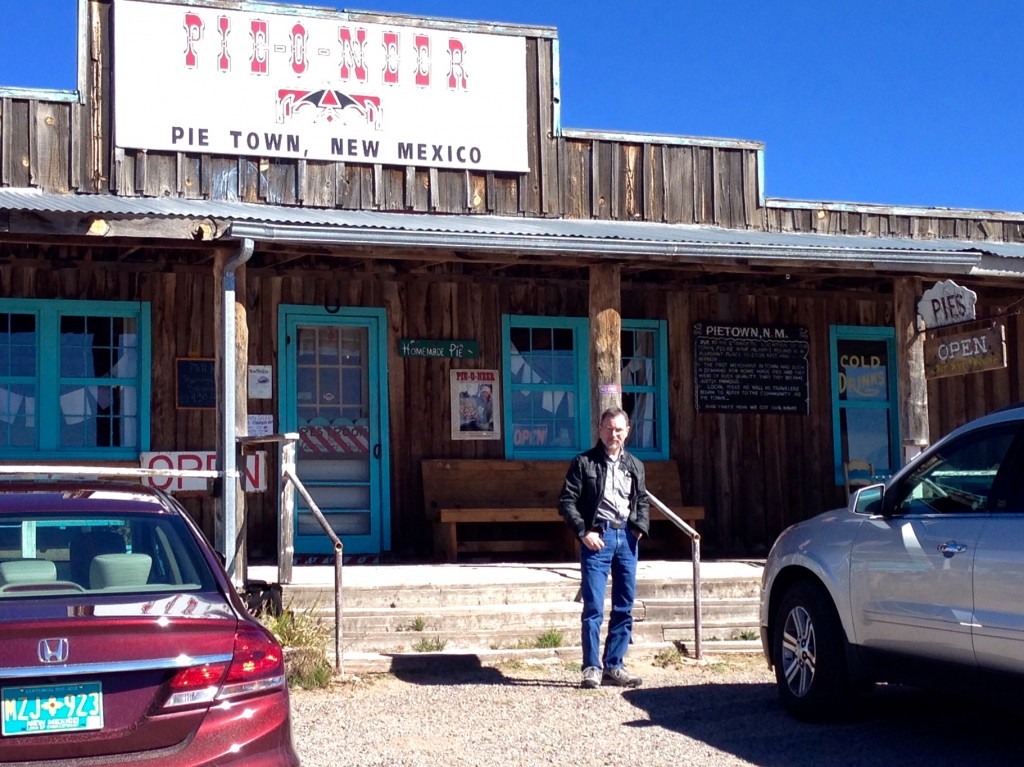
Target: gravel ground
{"type": "Point", "coordinates": [721, 712]}
{"type": "Point", "coordinates": [529, 712]}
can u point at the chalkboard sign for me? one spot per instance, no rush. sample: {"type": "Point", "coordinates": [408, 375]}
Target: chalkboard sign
{"type": "Point", "coordinates": [750, 368]}
{"type": "Point", "coordinates": [197, 387]}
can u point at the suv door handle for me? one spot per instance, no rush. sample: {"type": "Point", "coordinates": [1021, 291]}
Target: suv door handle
{"type": "Point", "coordinates": [952, 547]}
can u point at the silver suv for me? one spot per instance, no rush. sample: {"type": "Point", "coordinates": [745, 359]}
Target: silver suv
{"type": "Point", "coordinates": [918, 581]}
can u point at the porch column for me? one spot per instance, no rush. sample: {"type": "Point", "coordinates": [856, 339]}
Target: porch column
{"type": "Point", "coordinates": [605, 341]}
{"type": "Point", "coordinates": [232, 323]}
{"type": "Point", "coordinates": [913, 385]}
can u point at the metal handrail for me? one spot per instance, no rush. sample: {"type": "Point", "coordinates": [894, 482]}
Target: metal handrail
{"type": "Point", "coordinates": [672, 517]}
{"type": "Point", "coordinates": [290, 483]}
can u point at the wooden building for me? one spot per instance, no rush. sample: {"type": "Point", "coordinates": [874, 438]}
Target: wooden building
{"type": "Point", "coordinates": [379, 306]}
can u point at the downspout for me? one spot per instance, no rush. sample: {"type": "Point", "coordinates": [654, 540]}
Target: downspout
{"type": "Point", "coordinates": [229, 441]}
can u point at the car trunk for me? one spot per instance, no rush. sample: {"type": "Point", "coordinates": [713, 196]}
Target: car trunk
{"type": "Point", "coordinates": [63, 695]}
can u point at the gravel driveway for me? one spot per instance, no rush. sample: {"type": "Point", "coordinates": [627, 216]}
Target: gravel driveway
{"type": "Point", "coordinates": [721, 711]}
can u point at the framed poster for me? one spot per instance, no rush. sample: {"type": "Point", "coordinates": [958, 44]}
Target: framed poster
{"type": "Point", "coordinates": [475, 404]}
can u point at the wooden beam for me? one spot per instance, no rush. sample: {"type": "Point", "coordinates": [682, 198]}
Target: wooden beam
{"type": "Point", "coordinates": [605, 340]}
{"type": "Point", "coordinates": [912, 383]}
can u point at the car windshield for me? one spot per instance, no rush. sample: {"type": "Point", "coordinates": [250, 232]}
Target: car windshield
{"type": "Point", "coordinates": [51, 553]}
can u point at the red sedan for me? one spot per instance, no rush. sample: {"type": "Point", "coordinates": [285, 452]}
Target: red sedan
{"type": "Point", "coordinates": [122, 639]}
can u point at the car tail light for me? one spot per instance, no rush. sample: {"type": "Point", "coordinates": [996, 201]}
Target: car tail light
{"type": "Point", "coordinates": [257, 665]}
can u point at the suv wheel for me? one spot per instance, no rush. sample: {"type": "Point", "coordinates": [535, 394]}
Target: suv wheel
{"type": "Point", "coordinates": [809, 655]}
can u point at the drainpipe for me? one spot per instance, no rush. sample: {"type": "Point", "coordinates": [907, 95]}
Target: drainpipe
{"type": "Point", "coordinates": [228, 447]}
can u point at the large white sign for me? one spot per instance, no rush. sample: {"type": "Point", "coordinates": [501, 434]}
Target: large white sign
{"type": "Point", "coordinates": [271, 83]}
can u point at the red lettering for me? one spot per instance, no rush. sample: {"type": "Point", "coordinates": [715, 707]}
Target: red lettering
{"type": "Point", "coordinates": [259, 64]}
{"type": "Point", "coordinates": [422, 60]}
{"type": "Point", "coordinates": [253, 481]}
{"type": "Point", "coordinates": [391, 58]}
{"type": "Point", "coordinates": [353, 52]}
{"type": "Point", "coordinates": [457, 79]}
{"type": "Point", "coordinates": [160, 462]}
{"type": "Point", "coordinates": [193, 34]}
{"type": "Point", "coordinates": [224, 60]}
{"type": "Point", "coordinates": [298, 49]}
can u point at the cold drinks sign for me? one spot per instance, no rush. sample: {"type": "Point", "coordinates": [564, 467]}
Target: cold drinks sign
{"type": "Point", "coordinates": [272, 83]}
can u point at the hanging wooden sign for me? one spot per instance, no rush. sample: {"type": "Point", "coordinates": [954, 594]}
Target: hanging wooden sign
{"type": "Point", "coordinates": [961, 353]}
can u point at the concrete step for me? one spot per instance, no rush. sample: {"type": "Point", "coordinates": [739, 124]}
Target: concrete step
{"type": "Point", "coordinates": [412, 596]}
{"type": "Point", "coordinates": [533, 616]}
{"type": "Point", "coordinates": [515, 607]}
{"type": "Point", "coordinates": [509, 626]}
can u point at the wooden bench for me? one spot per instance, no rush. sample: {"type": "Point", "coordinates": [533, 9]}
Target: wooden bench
{"type": "Point", "coordinates": [462, 491]}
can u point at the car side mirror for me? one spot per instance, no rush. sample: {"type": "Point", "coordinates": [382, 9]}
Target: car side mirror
{"type": "Point", "coordinates": [868, 500]}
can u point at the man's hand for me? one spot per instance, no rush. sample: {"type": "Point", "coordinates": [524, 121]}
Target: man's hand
{"type": "Point", "coordinates": [593, 540]}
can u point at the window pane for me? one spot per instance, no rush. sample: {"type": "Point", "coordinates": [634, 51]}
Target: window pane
{"type": "Point", "coordinates": [17, 415]}
{"type": "Point", "coordinates": [81, 380]}
{"type": "Point", "coordinates": [863, 370]}
{"type": "Point", "coordinates": [639, 388]}
{"type": "Point", "coordinates": [542, 403]}
{"type": "Point", "coordinates": [18, 394]}
{"type": "Point", "coordinates": [959, 478]}
{"type": "Point", "coordinates": [643, 432]}
{"type": "Point", "coordinates": [865, 436]}
{"type": "Point", "coordinates": [17, 345]}
{"type": "Point", "coordinates": [98, 412]}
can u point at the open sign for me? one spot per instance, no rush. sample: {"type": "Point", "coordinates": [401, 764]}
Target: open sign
{"type": "Point", "coordinates": [254, 472]}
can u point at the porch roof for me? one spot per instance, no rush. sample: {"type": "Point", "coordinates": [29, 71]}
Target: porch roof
{"type": "Point", "coordinates": [620, 239]}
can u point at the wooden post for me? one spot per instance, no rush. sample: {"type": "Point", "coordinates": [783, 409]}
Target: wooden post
{"type": "Point", "coordinates": [286, 515]}
{"type": "Point", "coordinates": [605, 341]}
{"type": "Point", "coordinates": [913, 385]}
{"type": "Point", "coordinates": [241, 394]}
{"type": "Point", "coordinates": [232, 540]}
{"type": "Point", "coordinates": [220, 258]}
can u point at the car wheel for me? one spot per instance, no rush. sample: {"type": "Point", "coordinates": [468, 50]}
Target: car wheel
{"type": "Point", "coordinates": [809, 656]}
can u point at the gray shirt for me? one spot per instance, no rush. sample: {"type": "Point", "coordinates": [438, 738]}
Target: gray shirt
{"type": "Point", "coordinates": [614, 505]}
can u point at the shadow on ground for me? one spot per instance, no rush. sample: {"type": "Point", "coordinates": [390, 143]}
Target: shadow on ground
{"type": "Point", "coordinates": [891, 726]}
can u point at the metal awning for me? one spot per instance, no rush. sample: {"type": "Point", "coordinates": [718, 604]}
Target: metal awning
{"type": "Point", "coordinates": [620, 239]}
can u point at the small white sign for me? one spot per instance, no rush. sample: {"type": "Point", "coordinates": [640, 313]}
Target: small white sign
{"type": "Point", "coordinates": [260, 424]}
{"type": "Point", "coordinates": [269, 82]}
{"type": "Point", "coordinates": [947, 303]}
{"type": "Point", "coordinates": [261, 382]}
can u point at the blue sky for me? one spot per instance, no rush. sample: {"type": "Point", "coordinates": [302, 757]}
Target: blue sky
{"type": "Point", "coordinates": [901, 102]}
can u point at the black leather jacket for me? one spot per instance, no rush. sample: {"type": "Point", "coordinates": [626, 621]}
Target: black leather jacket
{"type": "Point", "coordinates": [584, 488]}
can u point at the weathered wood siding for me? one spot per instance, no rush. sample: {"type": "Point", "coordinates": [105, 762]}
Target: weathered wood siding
{"type": "Point", "coordinates": [181, 304]}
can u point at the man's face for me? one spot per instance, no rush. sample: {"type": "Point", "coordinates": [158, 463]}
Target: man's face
{"type": "Point", "coordinates": [614, 431]}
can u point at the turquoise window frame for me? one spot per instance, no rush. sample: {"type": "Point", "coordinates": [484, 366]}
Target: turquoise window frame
{"type": "Point", "coordinates": [48, 380]}
{"type": "Point", "coordinates": [659, 388]}
{"type": "Point", "coordinates": [579, 387]}
{"type": "Point", "coordinates": [580, 327]}
{"type": "Point", "coordinates": [839, 333]}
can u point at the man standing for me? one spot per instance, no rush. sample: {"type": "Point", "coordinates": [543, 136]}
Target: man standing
{"type": "Point", "coordinates": [604, 499]}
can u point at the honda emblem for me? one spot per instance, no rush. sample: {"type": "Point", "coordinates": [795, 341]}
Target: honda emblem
{"type": "Point", "coordinates": [53, 650]}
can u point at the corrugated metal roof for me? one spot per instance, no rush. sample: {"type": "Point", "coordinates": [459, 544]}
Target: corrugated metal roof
{"type": "Point", "coordinates": [293, 224]}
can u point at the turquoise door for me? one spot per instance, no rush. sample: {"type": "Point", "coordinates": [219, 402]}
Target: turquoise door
{"type": "Point", "coordinates": [334, 395]}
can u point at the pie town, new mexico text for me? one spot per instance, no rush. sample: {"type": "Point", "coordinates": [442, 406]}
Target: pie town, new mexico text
{"type": "Point", "coordinates": [267, 84]}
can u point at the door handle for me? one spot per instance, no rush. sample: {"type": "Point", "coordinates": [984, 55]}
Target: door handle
{"type": "Point", "coordinates": [949, 548]}
{"type": "Point", "coordinates": [376, 451]}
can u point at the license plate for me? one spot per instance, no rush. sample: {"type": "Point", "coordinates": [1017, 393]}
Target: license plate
{"type": "Point", "coordinates": [52, 708]}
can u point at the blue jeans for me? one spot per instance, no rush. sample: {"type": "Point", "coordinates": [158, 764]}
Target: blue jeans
{"type": "Point", "coordinates": [618, 557]}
